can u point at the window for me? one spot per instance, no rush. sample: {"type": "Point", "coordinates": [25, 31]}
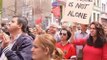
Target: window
{"type": "Point", "coordinates": [95, 2]}
{"type": "Point", "coordinates": [90, 20]}
{"type": "Point", "coordinates": [94, 17]}
{"type": "Point", "coordinates": [98, 3]}
{"type": "Point", "coordinates": [98, 17]}
{"type": "Point", "coordinates": [104, 7]}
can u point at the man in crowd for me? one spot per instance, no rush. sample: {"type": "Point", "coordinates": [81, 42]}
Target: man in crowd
{"type": "Point", "coordinates": [18, 47]}
{"type": "Point", "coordinates": [53, 30]}
{"type": "Point", "coordinates": [83, 33]}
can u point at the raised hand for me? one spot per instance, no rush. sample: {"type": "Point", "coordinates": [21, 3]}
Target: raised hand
{"type": "Point", "coordinates": [5, 40]}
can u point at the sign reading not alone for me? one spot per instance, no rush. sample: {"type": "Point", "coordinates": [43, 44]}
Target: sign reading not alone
{"type": "Point", "coordinates": [78, 11]}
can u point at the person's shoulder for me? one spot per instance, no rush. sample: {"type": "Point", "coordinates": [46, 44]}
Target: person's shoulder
{"type": "Point", "coordinates": [78, 32]}
{"type": "Point", "coordinates": [58, 44]}
{"type": "Point", "coordinates": [25, 37]}
{"type": "Point", "coordinates": [70, 45]}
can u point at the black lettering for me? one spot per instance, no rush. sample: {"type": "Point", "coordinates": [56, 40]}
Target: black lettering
{"type": "Point", "coordinates": [70, 13]}
{"type": "Point", "coordinates": [86, 0]}
{"type": "Point", "coordinates": [82, 15]}
{"type": "Point", "coordinates": [70, 4]}
{"type": "Point", "coordinates": [81, 6]}
{"type": "Point", "coordinates": [85, 15]}
{"type": "Point", "coordinates": [77, 14]}
{"type": "Point", "coordinates": [77, 5]}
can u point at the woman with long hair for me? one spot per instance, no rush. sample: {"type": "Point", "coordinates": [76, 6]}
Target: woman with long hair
{"type": "Point", "coordinates": [95, 46]}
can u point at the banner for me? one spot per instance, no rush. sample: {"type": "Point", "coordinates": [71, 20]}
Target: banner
{"type": "Point", "coordinates": [78, 11]}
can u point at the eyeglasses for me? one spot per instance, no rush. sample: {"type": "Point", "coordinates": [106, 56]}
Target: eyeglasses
{"type": "Point", "coordinates": [64, 34]}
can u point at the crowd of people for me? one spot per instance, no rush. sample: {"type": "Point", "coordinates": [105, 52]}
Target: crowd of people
{"type": "Point", "coordinates": [21, 42]}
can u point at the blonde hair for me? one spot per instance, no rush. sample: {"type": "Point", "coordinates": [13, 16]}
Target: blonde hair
{"type": "Point", "coordinates": [58, 54]}
{"type": "Point", "coordinates": [46, 40]}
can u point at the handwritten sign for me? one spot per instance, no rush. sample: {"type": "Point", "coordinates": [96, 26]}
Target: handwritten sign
{"type": "Point", "coordinates": [78, 11]}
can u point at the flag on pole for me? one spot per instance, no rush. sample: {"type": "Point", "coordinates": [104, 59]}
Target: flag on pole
{"type": "Point", "coordinates": [56, 11]}
{"type": "Point", "coordinates": [39, 20]}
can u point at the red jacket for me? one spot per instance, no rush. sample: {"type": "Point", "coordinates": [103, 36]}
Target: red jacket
{"type": "Point", "coordinates": [91, 52]}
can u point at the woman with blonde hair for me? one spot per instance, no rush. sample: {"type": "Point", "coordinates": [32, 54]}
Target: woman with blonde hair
{"type": "Point", "coordinates": [43, 47]}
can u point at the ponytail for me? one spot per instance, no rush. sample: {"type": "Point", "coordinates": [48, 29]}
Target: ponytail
{"type": "Point", "coordinates": [58, 54]}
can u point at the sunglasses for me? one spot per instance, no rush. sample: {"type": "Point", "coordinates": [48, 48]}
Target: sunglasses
{"type": "Point", "coordinates": [64, 34]}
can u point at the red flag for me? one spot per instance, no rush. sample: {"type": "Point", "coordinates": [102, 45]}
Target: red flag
{"type": "Point", "coordinates": [56, 11]}
{"type": "Point", "coordinates": [38, 21]}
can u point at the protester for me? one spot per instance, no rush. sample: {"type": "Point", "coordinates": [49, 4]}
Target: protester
{"type": "Point", "coordinates": [96, 45]}
{"type": "Point", "coordinates": [4, 28]}
{"type": "Point", "coordinates": [38, 30]}
{"type": "Point", "coordinates": [29, 32]}
{"type": "Point", "coordinates": [73, 27]}
{"type": "Point", "coordinates": [64, 25]}
{"type": "Point", "coordinates": [20, 44]}
{"type": "Point", "coordinates": [64, 45]}
{"type": "Point", "coordinates": [44, 47]}
{"type": "Point", "coordinates": [47, 31]}
{"type": "Point", "coordinates": [83, 33]}
{"type": "Point", "coordinates": [53, 30]}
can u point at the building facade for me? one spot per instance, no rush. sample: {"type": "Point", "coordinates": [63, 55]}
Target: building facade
{"type": "Point", "coordinates": [103, 17]}
{"type": "Point", "coordinates": [96, 13]}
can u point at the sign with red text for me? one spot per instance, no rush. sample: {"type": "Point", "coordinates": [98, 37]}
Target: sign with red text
{"type": "Point", "coordinates": [78, 11]}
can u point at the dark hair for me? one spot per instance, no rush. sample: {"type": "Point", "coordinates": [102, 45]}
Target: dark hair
{"type": "Point", "coordinates": [30, 33]}
{"type": "Point", "coordinates": [101, 39]}
{"type": "Point", "coordinates": [4, 28]}
{"type": "Point", "coordinates": [3, 24]}
{"type": "Point", "coordinates": [68, 33]}
{"type": "Point", "coordinates": [23, 21]}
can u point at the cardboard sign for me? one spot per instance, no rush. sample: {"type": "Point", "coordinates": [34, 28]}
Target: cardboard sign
{"type": "Point", "coordinates": [78, 11]}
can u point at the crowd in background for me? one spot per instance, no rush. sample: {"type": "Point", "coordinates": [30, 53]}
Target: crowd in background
{"type": "Point", "coordinates": [75, 42]}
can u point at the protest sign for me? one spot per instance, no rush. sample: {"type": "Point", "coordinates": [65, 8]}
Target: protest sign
{"type": "Point", "coordinates": [78, 11]}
